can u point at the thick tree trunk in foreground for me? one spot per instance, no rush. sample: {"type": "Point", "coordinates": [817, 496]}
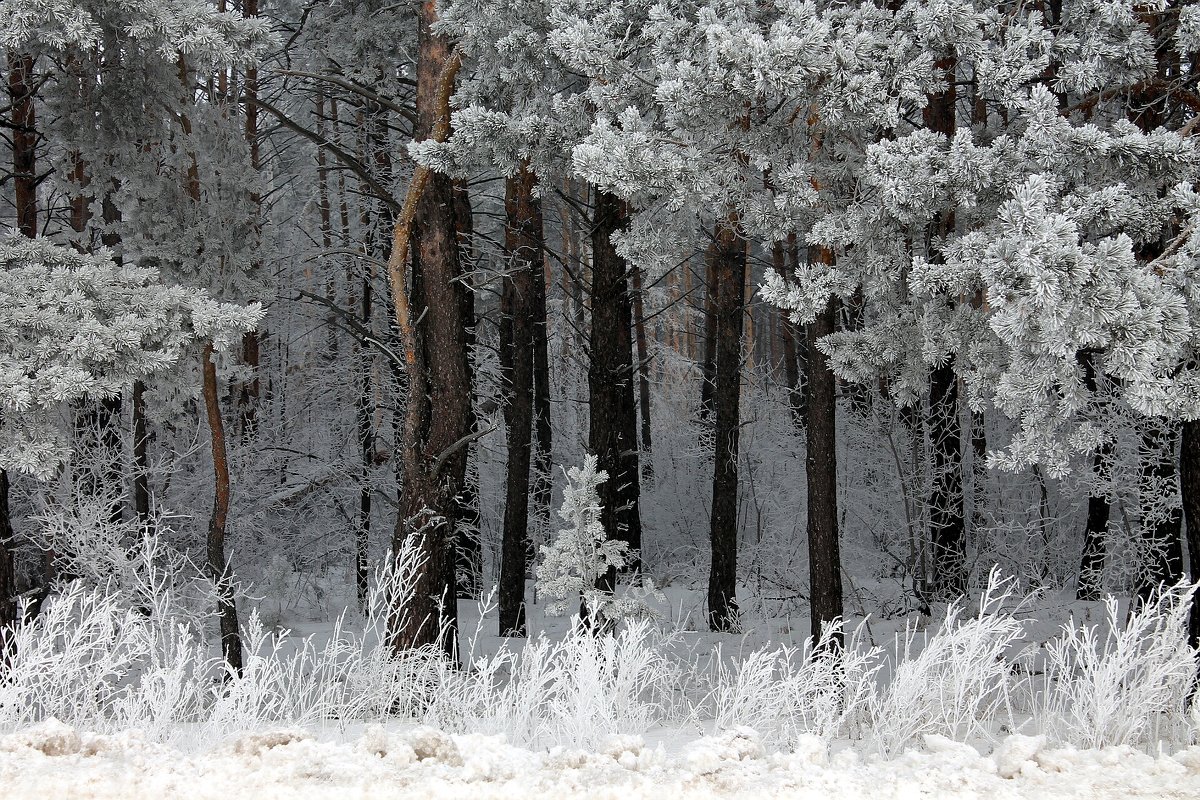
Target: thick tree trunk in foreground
{"type": "Point", "coordinates": [218, 568]}
{"type": "Point", "coordinates": [523, 246]}
{"type": "Point", "coordinates": [730, 272]}
{"type": "Point", "coordinates": [437, 422]}
{"type": "Point", "coordinates": [612, 433]}
{"type": "Point", "coordinates": [824, 556]}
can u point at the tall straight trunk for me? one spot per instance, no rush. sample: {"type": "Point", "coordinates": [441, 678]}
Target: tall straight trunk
{"type": "Point", "coordinates": [643, 367]}
{"type": "Point", "coordinates": [24, 162]}
{"type": "Point", "coordinates": [543, 459]}
{"type": "Point", "coordinates": [1189, 485]}
{"type": "Point", "coordinates": [141, 456]}
{"type": "Point", "coordinates": [824, 556]}
{"type": "Point", "coordinates": [612, 432]}
{"type": "Point", "coordinates": [218, 567]}
{"type": "Point", "coordinates": [24, 142]}
{"type": "Point", "coordinates": [946, 522]}
{"type": "Point", "coordinates": [523, 247]}
{"type": "Point", "coordinates": [729, 310]}
{"type": "Point", "coordinates": [251, 348]}
{"type": "Point", "coordinates": [430, 317]}
{"type": "Point", "coordinates": [708, 366]}
{"type": "Point", "coordinates": [946, 516]}
{"type": "Point", "coordinates": [366, 448]}
{"type": "Point", "coordinates": [785, 262]}
{"type": "Point", "coordinates": [468, 548]}
{"type": "Point", "coordinates": [1091, 561]}
{"type": "Point", "coordinates": [1162, 541]}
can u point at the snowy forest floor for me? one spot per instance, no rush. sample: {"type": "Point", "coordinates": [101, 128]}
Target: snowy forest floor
{"type": "Point", "coordinates": [54, 760]}
{"type": "Point", "coordinates": [1037, 696]}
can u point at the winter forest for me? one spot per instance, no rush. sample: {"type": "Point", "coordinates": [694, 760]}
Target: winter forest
{"type": "Point", "coordinates": [580, 398]}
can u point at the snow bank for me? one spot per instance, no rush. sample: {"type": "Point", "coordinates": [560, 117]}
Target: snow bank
{"type": "Point", "coordinates": [54, 760]}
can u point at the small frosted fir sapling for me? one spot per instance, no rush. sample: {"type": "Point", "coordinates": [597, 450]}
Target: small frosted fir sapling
{"type": "Point", "coordinates": [581, 553]}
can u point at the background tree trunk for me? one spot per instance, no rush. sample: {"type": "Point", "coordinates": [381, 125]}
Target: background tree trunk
{"type": "Point", "coordinates": [1189, 483]}
{"type": "Point", "coordinates": [523, 246]}
{"type": "Point", "coordinates": [729, 311]}
{"type": "Point", "coordinates": [612, 433]}
{"type": "Point", "coordinates": [824, 556]}
{"type": "Point", "coordinates": [218, 568]}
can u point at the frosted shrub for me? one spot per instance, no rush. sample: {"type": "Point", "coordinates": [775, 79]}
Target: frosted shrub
{"type": "Point", "coordinates": [575, 691]}
{"type": "Point", "coordinates": [582, 553]}
{"type": "Point", "coordinates": [958, 683]}
{"type": "Point", "coordinates": [786, 692]}
{"type": "Point", "coordinates": [1117, 683]}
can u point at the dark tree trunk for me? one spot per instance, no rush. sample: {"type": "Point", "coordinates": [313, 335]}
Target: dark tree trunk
{"type": "Point", "coordinates": [612, 433]}
{"type": "Point", "coordinates": [24, 142]}
{"type": "Point", "coordinates": [708, 366]}
{"type": "Point", "coordinates": [544, 447]}
{"type": "Point", "coordinates": [643, 367]}
{"type": "Point", "coordinates": [218, 568]}
{"type": "Point", "coordinates": [437, 423]}
{"type": "Point", "coordinates": [523, 246]}
{"type": "Point", "coordinates": [467, 547]}
{"type": "Point", "coordinates": [946, 523]}
{"type": "Point", "coordinates": [824, 557]}
{"type": "Point", "coordinates": [793, 334]}
{"type": "Point", "coordinates": [251, 350]}
{"type": "Point", "coordinates": [366, 447]}
{"type": "Point", "coordinates": [729, 307]}
{"type": "Point", "coordinates": [141, 457]}
{"type": "Point", "coordinates": [1162, 540]}
{"type": "Point", "coordinates": [1091, 561]}
{"type": "Point", "coordinates": [1189, 485]}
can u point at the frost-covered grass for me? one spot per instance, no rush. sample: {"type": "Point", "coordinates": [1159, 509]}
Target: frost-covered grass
{"type": "Point", "coordinates": [95, 660]}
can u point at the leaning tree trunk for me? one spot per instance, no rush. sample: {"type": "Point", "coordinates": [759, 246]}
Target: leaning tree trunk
{"type": "Point", "coordinates": [523, 246]}
{"type": "Point", "coordinates": [433, 446]}
{"type": "Point", "coordinates": [824, 556]}
{"type": "Point", "coordinates": [612, 433]}
{"type": "Point", "coordinates": [218, 567]}
{"type": "Point", "coordinates": [729, 289]}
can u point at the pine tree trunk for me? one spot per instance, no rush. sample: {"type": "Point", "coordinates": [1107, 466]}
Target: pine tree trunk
{"type": "Point", "coordinates": [24, 142]}
{"type": "Point", "coordinates": [251, 349]}
{"type": "Point", "coordinates": [612, 433]}
{"type": "Point", "coordinates": [433, 446]}
{"type": "Point", "coordinates": [824, 557]}
{"type": "Point", "coordinates": [366, 447]}
{"type": "Point", "coordinates": [523, 247]}
{"type": "Point", "coordinates": [543, 462]}
{"type": "Point", "coordinates": [141, 457]}
{"type": "Point", "coordinates": [1162, 541]}
{"type": "Point", "coordinates": [218, 568]}
{"type": "Point", "coordinates": [643, 368]}
{"type": "Point", "coordinates": [468, 549]}
{"type": "Point", "coordinates": [708, 366]}
{"type": "Point", "coordinates": [729, 311]}
{"type": "Point", "coordinates": [1189, 485]}
{"type": "Point", "coordinates": [946, 523]}
{"type": "Point", "coordinates": [786, 263]}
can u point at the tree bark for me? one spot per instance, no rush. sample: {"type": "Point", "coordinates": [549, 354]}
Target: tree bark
{"type": "Point", "coordinates": [1189, 484]}
{"type": "Point", "coordinates": [251, 349]}
{"type": "Point", "coordinates": [824, 556]}
{"type": "Point", "coordinates": [946, 522]}
{"type": "Point", "coordinates": [543, 459]}
{"type": "Point", "coordinates": [729, 312]}
{"type": "Point", "coordinates": [432, 445]}
{"type": "Point", "coordinates": [708, 366]}
{"type": "Point", "coordinates": [24, 142]}
{"type": "Point", "coordinates": [612, 432]}
{"type": "Point", "coordinates": [468, 549]}
{"type": "Point", "coordinates": [524, 247]}
{"type": "Point", "coordinates": [1162, 540]}
{"type": "Point", "coordinates": [218, 568]}
{"type": "Point", "coordinates": [643, 368]}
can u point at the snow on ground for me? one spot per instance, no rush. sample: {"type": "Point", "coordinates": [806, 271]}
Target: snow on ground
{"type": "Point", "coordinates": [54, 760]}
